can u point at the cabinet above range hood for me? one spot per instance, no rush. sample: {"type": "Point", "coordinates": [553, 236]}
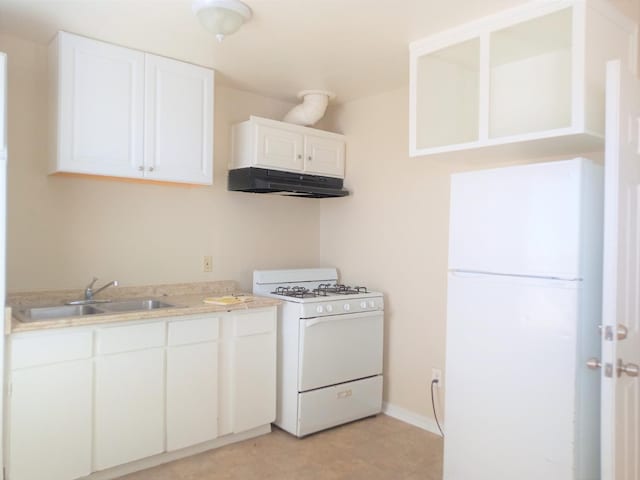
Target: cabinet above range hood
{"type": "Point", "coordinates": [262, 180]}
{"type": "Point", "coordinates": [269, 156]}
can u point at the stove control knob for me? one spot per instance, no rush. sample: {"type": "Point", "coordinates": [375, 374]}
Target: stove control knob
{"type": "Point", "coordinates": [372, 304]}
{"type": "Point", "coordinates": [329, 308]}
{"type": "Point", "coordinates": [363, 304]}
{"type": "Point", "coordinates": [319, 309]}
{"type": "Point", "coordinates": [346, 307]}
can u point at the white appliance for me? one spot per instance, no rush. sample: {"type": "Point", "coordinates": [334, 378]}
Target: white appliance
{"type": "Point", "coordinates": [3, 215]}
{"type": "Point", "coordinates": [329, 348]}
{"type": "Point", "coordinates": [524, 303]}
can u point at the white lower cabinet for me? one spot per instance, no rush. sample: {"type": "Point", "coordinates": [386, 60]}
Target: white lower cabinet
{"type": "Point", "coordinates": [50, 405]}
{"type": "Point", "coordinates": [129, 398]}
{"type": "Point", "coordinates": [253, 374]}
{"type": "Point", "coordinates": [51, 421]}
{"type": "Point", "coordinates": [129, 393]}
{"type": "Point", "coordinates": [192, 382]}
{"type": "Point", "coordinates": [88, 399]}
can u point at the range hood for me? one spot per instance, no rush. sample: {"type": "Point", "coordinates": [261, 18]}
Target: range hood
{"type": "Point", "coordinates": [262, 180]}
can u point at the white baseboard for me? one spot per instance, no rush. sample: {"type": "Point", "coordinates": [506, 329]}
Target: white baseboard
{"type": "Point", "coordinates": [411, 418]}
{"type": "Point", "coordinates": [121, 470]}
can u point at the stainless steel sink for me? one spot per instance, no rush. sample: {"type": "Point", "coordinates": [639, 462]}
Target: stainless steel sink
{"type": "Point", "coordinates": [134, 305]}
{"type": "Point", "coordinates": [36, 314]}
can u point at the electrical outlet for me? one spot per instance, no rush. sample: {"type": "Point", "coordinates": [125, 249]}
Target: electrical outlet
{"type": "Point", "coordinates": [436, 374]}
{"type": "Point", "coordinates": [207, 264]}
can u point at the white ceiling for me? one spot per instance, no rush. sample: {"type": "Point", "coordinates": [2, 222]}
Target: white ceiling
{"type": "Point", "coordinates": [355, 48]}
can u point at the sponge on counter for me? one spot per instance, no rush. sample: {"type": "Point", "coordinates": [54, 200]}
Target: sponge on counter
{"type": "Point", "coordinates": [228, 299]}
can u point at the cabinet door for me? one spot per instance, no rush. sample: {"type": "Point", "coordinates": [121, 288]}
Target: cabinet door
{"type": "Point", "coordinates": [100, 107]}
{"type": "Point", "coordinates": [51, 421]}
{"type": "Point", "coordinates": [129, 407]}
{"type": "Point", "coordinates": [178, 121]}
{"type": "Point", "coordinates": [279, 149]}
{"type": "Point", "coordinates": [254, 381]}
{"type": "Point", "coordinates": [192, 394]}
{"type": "Point", "coordinates": [253, 365]}
{"type": "Point", "coordinates": [324, 156]}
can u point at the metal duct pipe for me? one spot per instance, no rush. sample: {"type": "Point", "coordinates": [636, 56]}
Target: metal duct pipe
{"type": "Point", "coordinates": [313, 106]}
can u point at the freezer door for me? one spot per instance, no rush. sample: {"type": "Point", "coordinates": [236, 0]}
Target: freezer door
{"type": "Point", "coordinates": [339, 348]}
{"type": "Point", "coordinates": [511, 379]}
{"type": "Point", "coordinates": [529, 219]}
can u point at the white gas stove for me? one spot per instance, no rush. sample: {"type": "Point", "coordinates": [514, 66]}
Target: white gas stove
{"type": "Point", "coordinates": [319, 297]}
{"type": "Point", "coordinates": [330, 340]}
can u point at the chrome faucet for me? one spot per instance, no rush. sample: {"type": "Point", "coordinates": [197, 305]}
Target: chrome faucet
{"type": "Point", "coordinates": [89, 292]}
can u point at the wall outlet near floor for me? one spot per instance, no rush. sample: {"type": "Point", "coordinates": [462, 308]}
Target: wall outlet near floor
{"type": "Point", "coordinates": [207, 264]}
{"type": "Point", "coordinates": [436, 374]}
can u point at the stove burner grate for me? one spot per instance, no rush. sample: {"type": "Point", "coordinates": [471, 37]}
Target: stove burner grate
{"type": "Point", "coordinates": [296, 292]}
{"type": "Point", "coordinates": [326, 289]}
{"type": "Point", "coordinates": [323, 290]}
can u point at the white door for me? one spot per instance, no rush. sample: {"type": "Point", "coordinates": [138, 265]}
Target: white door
{"type": "Point", "coordinates": [324, 156]}
{"type": "Point", "coordinates": [339, 348]}
{"type": "Point", "coordinates": [51, 421]}
{"type": "Point", "coordinates": [621, 276]}
{"type": "Point", "coordinates": [178, 121]}
{"type": "Point", "coordinates": [279, 149]}
{"type": "Point", "coordinates": [129, 407]}
{"type": "Point", "coordinates": [100, 107]}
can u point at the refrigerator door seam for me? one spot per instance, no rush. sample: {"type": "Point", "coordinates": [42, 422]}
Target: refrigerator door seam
{"type": "Point", "coordinates": [517, 275]}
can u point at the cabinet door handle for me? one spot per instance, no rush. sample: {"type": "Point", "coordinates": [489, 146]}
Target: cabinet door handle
{"type": "Point", "coordinates": [299, 156]}
{"type": "Point", "coordinates": [141, 168]}
{"type": "Point", "coordinates": [151, 169]}
{"type": "Point", "coordinates": [309, 158]}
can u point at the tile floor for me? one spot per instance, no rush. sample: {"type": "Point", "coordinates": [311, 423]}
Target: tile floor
{"type": "Point", "coordinates": [379, 448]}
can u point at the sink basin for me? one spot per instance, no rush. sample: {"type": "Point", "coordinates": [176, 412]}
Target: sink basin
{"type": "Point", "coordinates": [134, 305]}
{"type": "Point", "coordinates": [49, 313]}
{"type": "Point", "coordinates": [37, 314]}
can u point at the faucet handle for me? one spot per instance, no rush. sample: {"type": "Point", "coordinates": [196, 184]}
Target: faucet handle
{"type": "Point", "coordinates": [90, 286]}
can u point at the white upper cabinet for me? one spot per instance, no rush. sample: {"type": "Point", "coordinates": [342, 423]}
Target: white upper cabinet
{"type": "Point", "coordinates": [178, 142]}
{"type": "Point", "coordinates": [527, 80]}
{"type": "Point", "coordinates": [100, 99]}
{"type": "Point", "coordinates": [324, 156]}
{"type": "Point", "coordinates": [124, 113]}
{"type": "Point", "coordinates": [3, 106]}
{"type": "Point", "coordinates": [265, 143]}
{"type": "Point", "coordinates": [279, 148]}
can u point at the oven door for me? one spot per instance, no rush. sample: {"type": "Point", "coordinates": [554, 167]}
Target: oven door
{"type": "Point", "coordinates": [339, 348]}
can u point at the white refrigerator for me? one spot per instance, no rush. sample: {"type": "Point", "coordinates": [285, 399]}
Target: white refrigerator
{"type": "Point", "coordinates": [524, 303]}
{"type": "Point", "coordinates": [3, 215]}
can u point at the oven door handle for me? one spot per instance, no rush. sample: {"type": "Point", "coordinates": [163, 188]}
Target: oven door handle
{"type": "Point", "coordinates": [343, 316]}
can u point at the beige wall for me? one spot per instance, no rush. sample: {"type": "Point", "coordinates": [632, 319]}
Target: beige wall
{"type": "Point", "coordinates": [392, 233]}
{"type": "Point", "coordinates": [62, 231]}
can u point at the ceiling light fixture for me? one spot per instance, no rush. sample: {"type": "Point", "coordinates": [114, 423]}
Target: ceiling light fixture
{"type": "Point", "coordinates": [221, 17]}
